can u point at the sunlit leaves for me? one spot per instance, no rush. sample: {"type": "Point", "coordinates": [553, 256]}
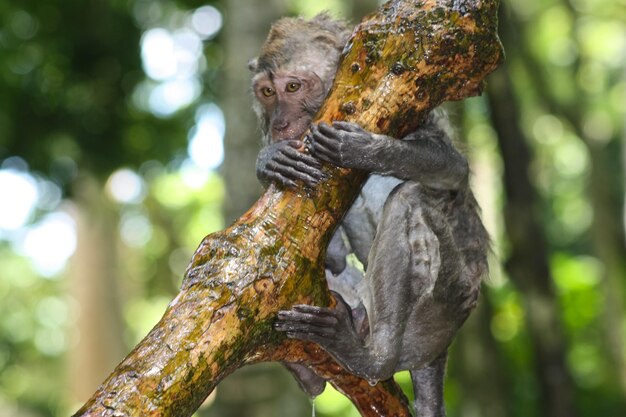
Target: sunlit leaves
{"type": "Point", "coordinates": [577, 280]}
{"type": "Point", "coordinates": [333, 403]}
{"type": "Point", "coordinates": [32, 335]}
{"type": "Point", "coordinates": [603, 40]}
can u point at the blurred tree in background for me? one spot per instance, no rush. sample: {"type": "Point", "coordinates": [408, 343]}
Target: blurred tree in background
{"type": "Point", "coordinates": [126, 135]}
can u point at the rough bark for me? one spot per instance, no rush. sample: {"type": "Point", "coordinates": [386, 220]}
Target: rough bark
{"type": "Point", "coordinates": [400, 63]}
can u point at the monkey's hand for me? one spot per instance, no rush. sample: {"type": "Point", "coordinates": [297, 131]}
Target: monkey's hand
{"type": "Point", "coordinates": [346, 145]}
{"type": "Point", "coordinates": [283, 163]}
{"type": "Point", "coordinates": [331, 328]}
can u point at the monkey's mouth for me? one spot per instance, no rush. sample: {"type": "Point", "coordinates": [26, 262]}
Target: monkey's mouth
{"type": "Point", "coordinates": [295, 131]}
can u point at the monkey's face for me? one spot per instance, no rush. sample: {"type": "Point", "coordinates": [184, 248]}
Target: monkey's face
{"type": "Point", "coordinates": [288, 101]}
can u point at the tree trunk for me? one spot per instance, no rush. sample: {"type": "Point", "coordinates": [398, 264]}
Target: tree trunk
{"type": "Point", "coordinates": [245, 29]}
{"type": "Point", "coordinates": [399, 64]}
{"type": "Point", "coordinates": [480, 369]}
{"type": "Point", "coordinates": [607, 229]}
{"type": "Point", "coordinates": [527, 265]}
{"type": "Point", "coordinates": [608, 244]}
{"type": "Point", "coordinates": [93, 284]}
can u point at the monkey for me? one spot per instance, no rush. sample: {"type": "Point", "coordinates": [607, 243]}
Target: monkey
{"type": "Point", "coordinates": [415, 225]}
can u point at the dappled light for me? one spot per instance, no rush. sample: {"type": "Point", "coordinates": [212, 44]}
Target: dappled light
{"type": "Point", "coordinates": [205, 143]}
{"type": "Point", "coordinates": [16, 209]}
{"type": "Point", "coordinates": [125, 186]}
{"type": "Point", "coordinates": [50, 242]}
{"type": "Point", "coordinates": [121, 149]}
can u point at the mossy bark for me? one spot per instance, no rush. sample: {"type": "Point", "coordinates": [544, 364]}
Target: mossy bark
{"type": "Point", "coordinates": [399, 64]}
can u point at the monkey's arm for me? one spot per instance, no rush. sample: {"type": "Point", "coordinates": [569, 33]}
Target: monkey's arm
{"type": "Point", "coordinates": [426, 156]}
{"type": "Point", "coordinates": [283, 163]}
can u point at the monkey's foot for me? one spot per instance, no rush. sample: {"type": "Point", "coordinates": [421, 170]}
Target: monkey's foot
{"type": "Point", "coordinates": [331, 328]}
{"type": "Point", "coordinates": [307, 380]}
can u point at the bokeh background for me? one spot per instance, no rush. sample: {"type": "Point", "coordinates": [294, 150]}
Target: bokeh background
{"type": "Point", "coordinates": [126, 135]}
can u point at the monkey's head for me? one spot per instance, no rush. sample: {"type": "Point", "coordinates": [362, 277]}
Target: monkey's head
{"type": "Point", "coordinates": [294, 72]}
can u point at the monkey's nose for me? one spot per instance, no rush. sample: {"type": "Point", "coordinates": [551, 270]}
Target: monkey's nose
{"type": "Point", "coordinates": [280, 125]}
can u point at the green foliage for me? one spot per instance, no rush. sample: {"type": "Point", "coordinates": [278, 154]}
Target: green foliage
{"type": "Point", "coordinates": [69, 70]}
{"type": "Point", "coordinates": [34, 315]}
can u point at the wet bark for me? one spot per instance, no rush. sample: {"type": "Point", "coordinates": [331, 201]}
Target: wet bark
{"type": "Point", "coordinates": [400, 63]}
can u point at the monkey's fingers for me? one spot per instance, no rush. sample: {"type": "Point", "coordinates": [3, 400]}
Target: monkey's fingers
{"type": "Point", "coordinates": [349, 127]}
{"type": "Point", "coordinates": [316, 310]}
{"type": "Point", "coordinates": [314, 172]}
{"type": "Point", "coordinates": [280, 179]}
{"type": "Point", "coordinates": [322, 143]}
{"type": "Point", "coordinates": [305, 328]}
{"type": "Point", "coordinates": [326, 154]}
{"type": "Point", "coordinates": [310, 177]}
{"type": "Point", "coordinates": [298, 156]}
{"type": "Point", "coordinates": [329, 140]}
{"type": "Point", "coordinates": [293, 316]}
{"type": "Point", "coordinates": [328, 130]}
{"type": "Point", "coordinates": [292, 174]}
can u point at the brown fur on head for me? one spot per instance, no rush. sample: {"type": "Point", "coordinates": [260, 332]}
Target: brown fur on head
{"type": "Point", "coordinates": [294, 72]}
{"type": "Point", "coordinates": [295, 43]}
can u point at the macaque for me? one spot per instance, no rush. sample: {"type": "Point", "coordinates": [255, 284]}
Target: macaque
{"type": "Point", "coordinates": [415, 225]}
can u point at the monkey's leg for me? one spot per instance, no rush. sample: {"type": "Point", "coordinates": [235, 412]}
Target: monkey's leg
{"type": "Point", "coordinates": [336, 253]}
{"type": "Point", "coordinates": [403, 267]}
{"type": "Point", "coordinates": [428, 388]}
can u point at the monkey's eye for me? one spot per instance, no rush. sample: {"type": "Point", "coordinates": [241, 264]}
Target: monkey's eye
{"type": "Point", "coordinates": [268, 91]}
{"type": "Point", "coordinates": [293, 87]}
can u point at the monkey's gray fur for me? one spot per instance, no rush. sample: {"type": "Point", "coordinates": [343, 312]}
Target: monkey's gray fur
{"type": "Point", "coordinates": [414, 226]}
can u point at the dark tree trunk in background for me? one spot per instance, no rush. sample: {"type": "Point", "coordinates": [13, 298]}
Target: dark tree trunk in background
{"type": "Point", "coordinates": [608, 243]}
{"type": "Point", "coordinates": [245, 29]}
{"type": "Point", "coordinates": [477, 363]}
{"type": "Point", "coordinates": [263, 390]}
{"type": "Point", "coordinates": [93, 285]}
{"type": "Point", "coordinates": [527, 264]}
{"type": "Point", "coordinates": [605, 193]}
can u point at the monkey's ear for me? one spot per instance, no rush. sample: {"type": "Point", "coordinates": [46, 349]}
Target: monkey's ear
{"type": "Point", "coordinates": [253, 64]}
